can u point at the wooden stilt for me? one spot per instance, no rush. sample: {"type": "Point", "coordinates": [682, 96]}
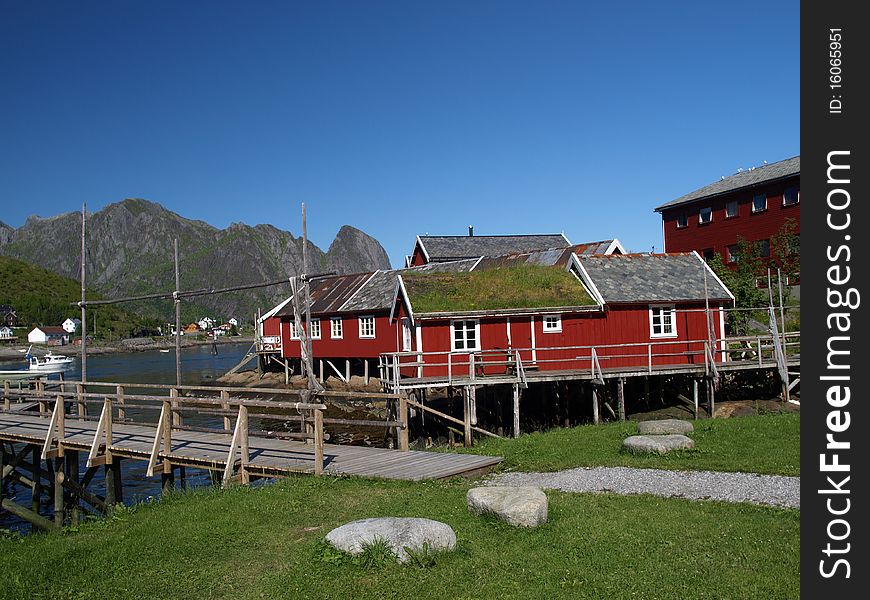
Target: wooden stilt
{"type": "Point", "coordinates": [366, 370]}
{"type": "Point", "coordinates": [620, 394]}
{"type": "Point", "coordinates": [595, 418]}
{"type": "Point", "coordinates": [287, 372]}
{"type": "Point", "coordinates": [347, 370]}
{"type": "Point", "coordinates": [711, 399]}
{"type": "Point", "coordinates": [167, 480]}
{"type": "Point", "coordinates": [695, 395]}
{"type": "Point", "coordinates": [58, 492]}
{"type": "Point", "coordinates": [646, 391]}
{"type": "Point", "coordinates": [36, 488]}
{"type": "Point", "coordinates": [72, 471]}
{"type": "Point", "coordinates": [466, 416]}
{"type": "Point", "coordinates": [516, 410]}
{"type": "Point", "coordinates": [109, 475]}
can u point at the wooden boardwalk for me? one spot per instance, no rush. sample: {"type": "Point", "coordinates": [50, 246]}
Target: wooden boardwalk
{"type": "Point", "coordinates": [268, 457]}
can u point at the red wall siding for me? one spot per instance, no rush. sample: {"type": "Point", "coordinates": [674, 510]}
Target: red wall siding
{"type": "Point", "coordinates": [350, 345]}
{"type": "Point", "coordinates": [722, 232]}
{"type": "Point", "coordinates": [272, 326]}
{"type": "Point", "coordinates": [616, 325]}
{"type": "Point", "coordinates": [418, 258]}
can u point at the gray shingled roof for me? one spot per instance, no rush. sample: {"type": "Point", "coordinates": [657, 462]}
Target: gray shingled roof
{"type": "Point", "coordinates": [744, 179]}
{"type": "Point", "coordinates": [652, 278]}
{"type": "Point", "coordinates": [452, 247]}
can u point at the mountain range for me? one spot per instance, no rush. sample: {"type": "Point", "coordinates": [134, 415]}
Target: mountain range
{"type": "Point", "coordinates": [130, 252]}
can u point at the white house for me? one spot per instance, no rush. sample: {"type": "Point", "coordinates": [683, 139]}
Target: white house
{"type": "Point", "coordinates": [71, 325]}
{"type": "Point", "coordinates": [233, 321]}
{"type": "Point", "coordinates": [53, 336]}
{"type": "Point", "coordinates": [205, 323]}
{"type": "Point", "coordinates": [6, 333]}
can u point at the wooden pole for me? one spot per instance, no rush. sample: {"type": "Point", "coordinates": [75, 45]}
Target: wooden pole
{"type": "Point", "coordinates": [711, 399]}
{"type": "Point", "coordinates": [177, 319]}
{"type": "Point", "coordinates": [695, 395]}
{"type": "Point", "coordinates": [35, 489]}
{"type": "Point", "coordinates": [58, 492]}
{"type": "Point", "coordinates": [466, 416]}
{"type": "Point", "coordinates": [366, 370]}
{"type": "Point", "coordinates": [72, 466]}
{"type": "Point", "coordinates": [620, 393]}
{"type": "Point", "coordinates": [516, 410]}
{"type": "Point", "coordinates": [318, 442]}
{"type": "Point", "coordinates": [403, 429]}
{"type": "Point", "coordinates": [84, 310]}
{"type": "Point", "coordinates": [595, 418]}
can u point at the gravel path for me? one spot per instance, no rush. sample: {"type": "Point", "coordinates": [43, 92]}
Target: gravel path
{"type": "Point", "coordinates": [773, 490]}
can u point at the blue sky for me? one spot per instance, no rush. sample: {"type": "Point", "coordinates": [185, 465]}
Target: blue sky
{"type": "Point", "coordinates": [396, 117]}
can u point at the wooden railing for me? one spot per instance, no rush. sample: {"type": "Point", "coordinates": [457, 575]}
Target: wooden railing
{"type": "Point", "coordinates": [468, 366]}
{"type": "Point", "coordinates": [71, 400]}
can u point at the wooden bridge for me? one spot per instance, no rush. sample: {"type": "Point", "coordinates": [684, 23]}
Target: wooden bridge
{"type": "Point", "coordinates": [51, 424]}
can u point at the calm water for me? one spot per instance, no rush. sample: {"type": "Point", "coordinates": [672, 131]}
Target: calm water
{"type": "Point", "coordinates": [199, 366]}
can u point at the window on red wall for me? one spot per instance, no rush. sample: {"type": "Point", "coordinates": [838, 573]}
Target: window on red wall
{"type": "Point", "coordinates": [682, 220]}
{"type": "Point", "coordinates": [764, 248]}
{"type": "Point", "coordinates": [731, 209]}
{"type": "Point", "coordinates": [708, 254]}
{"type": "Point", "coordinates": [466, 335]}
{"type": "Point", "coordinates": [733, 257]}
{"type": "Point", "coordinates": [705, 215]}
{"type": "Point", "coordinates": [791, 196]}
{"type": "Point", "coordinates": [759, 203]}
{"type": "Point", "coordinates": [662, 321]}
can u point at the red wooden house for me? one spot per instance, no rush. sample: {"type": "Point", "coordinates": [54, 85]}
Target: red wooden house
{"type": "Point", "coordinates": [635, 311]}
{"type": "Point", "coordinates": [350, 319]}
{"type": "Point", "coordinates": [753, 204]}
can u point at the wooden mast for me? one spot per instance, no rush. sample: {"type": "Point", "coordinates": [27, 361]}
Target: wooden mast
{"type": "Point", "coordinates": [84, 310]}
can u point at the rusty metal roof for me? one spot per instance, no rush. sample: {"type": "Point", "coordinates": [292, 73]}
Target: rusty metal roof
{"type": "Point", "coordinates": [328, 294]}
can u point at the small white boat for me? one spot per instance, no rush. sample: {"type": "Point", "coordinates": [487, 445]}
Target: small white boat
{"type": "Point", "coordinates": [164, 350]}
{"type": "Point", "coordinates": [50, 363]}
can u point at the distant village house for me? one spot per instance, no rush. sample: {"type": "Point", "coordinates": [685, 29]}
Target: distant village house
{"type": "Point", "coordinates": [50, 336]}
{"type": "Point", "coordinates": [6, 334]}
{"type": "Point", "coordinates": [8, 316]}
{"type": "Point", "coordinates": [72, 325]}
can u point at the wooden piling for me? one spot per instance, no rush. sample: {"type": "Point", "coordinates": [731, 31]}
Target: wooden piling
{"type": "Point", "coordinates": [403, 429]}
{"type": "Point", "coordinates": [58, 492]}
{"type": "Point", "coordinates": [620, 393]}
{"type": "Point", "coordinates": [466, 417]}
{"type": "Point", "coordinates": [695, 395]}
{"type": "Point", "coordinates": [517, 410]}
{"type": "Point", "coordinates": [35, 489]}
{"type": "Point", "coordinates": [595, 411]}
{"type": "Point", "coordinates": [72, 471]}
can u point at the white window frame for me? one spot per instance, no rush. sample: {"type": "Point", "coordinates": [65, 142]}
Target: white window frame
{"type": "Point", "coordinates": [660, 308]}
{"type": "Point", "coordinates": [333, 322]}
{"type": "Point", "coordinates": [682, 217]}
{"type": "Point", "coordinates": [797, 196]}
{"type": "Point", "coordinates": [736, 206]}
{"type": "Point", "coordinates": [407, 334]}
{"type": "Point", "coordinates": [701, 220]}
{"type": "Point", "coordinates": [759, 210]}
{"type": "Point", "coordinates": [362, 334]}
{"type": "Point", "coordinates": [294, 332]}
{"type": "Point", "coordinates": [552, 328]}
{"type": "Point", "coordinates": [454, 339]}
{"type": "Point", "coordinates": [314, 329]}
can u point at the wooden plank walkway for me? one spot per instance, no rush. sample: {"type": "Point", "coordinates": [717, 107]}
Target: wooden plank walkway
{"type": "Point", "coordinates": [269, 457]}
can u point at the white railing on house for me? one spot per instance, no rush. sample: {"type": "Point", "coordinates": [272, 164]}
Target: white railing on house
{"type": "Point", "coordinates": [465, 368]}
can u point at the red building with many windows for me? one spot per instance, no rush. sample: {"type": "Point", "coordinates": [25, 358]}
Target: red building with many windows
{"type": "Point", "coordinates": [753, 204]}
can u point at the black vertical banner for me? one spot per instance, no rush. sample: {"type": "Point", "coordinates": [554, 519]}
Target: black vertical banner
{"type": "Point", "coordinates": [835, 350]}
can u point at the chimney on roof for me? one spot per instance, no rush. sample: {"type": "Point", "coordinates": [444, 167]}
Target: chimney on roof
{"type": "Point", "coordinates": [471, 231]}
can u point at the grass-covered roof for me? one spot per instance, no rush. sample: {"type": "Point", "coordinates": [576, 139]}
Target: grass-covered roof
{"type": "Point", "coordinates": [526, 286]}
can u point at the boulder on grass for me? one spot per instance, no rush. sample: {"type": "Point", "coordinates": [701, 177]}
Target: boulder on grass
{"type": "Point", "coordinates": [657, 444]}
{"type": "Point", "coordinates": [398, 532]}
{"type": "Point", "coordinates": [664, 427]}
{"type": "Point", "coordinates": [517, 506]}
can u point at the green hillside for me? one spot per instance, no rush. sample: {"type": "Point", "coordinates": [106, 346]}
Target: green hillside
{"type": "Point", "coordinates": [41, 297]}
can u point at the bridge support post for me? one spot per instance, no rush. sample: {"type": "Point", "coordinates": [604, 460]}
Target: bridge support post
{"type": "Point", "coordinates": [72, 471]}
{"type": "Point", "coordinates": [58, 492]}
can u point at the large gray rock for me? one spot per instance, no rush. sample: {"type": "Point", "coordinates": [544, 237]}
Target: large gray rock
{"type": "Point", "coordinates": [398, 532]}
{"type": "Point", "coordinates": [659, 444]}
{"type": "Point", "coordinates": [664, 427]}
{"type": "Point", "coordinates": [517, 506]}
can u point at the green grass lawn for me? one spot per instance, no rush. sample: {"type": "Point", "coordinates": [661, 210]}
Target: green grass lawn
{"type": "Point", "coordinates": [266, 542]}
{"type": "Point", "coordinates": [759, 444]}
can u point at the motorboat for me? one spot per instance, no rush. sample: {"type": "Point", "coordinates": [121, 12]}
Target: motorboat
{"type": "Point", "coordinates": [50, 363]}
